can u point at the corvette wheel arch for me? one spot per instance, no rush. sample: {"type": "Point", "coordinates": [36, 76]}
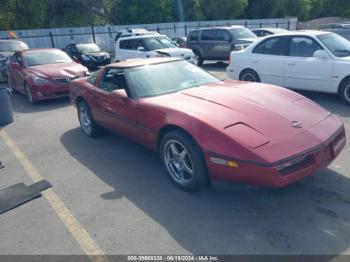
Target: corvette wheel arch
{"type": "Point", "coordinates": [168, 128]}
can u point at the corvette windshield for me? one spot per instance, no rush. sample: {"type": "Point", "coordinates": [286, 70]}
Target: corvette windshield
{"type": "Point", "coordinates": [43, 57]}
{"type": "Point", "coordinates": [166, 78]}
{"type": "Point", "coordinates": [338, 45]}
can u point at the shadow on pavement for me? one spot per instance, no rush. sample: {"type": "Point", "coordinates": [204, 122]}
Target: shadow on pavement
{"type": "Point", "coordinates": [309, 217]}
{"type": "Point", "coordinates": [20, 104]}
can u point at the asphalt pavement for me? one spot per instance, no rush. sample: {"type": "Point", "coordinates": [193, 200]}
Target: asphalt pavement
{"type": "Point", "coordinates": [120, 195]}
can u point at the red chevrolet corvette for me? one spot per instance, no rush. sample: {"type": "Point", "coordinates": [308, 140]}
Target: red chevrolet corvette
{"type": "Point", "coordinates": [207, 129]}
{"type": "Point", "coordinates": [43, 74]}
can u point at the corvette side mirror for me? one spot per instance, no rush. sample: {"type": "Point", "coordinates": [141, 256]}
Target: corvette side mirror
{"type": "Point", "coordinates": [140, 49]}
{"type": "Point", "coordinates": [121, 95]}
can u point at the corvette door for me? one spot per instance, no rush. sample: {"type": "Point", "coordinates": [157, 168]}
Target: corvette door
{"type": "Point", "coordinates": [119, 111]}
{"type": "Point", "coordinates": [303, 70]}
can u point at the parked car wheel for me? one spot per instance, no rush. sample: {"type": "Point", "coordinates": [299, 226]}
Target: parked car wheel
{"type": "Point", "coordinates": [28, 93]}
{"type": "Point", "coordinates": [86, 120]}
{"type": "Point", "coordinates": [249, 75]}
{"type": "Point", "coordinates": [11, 86]}
{"type": "Point", "coordinates": [344, 91]}
{"type": "Point", "coordinates": [198, 57]}
{"type": "Point", "coordinates": [183, 161]}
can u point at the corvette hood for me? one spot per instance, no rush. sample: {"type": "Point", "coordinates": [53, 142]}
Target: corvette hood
{"type": "Point", "coordinates": [269, 110]}
{"type": "Point", "coordinates": [176, 52]}
{"type": "Point", "coordinates": [58, 70]}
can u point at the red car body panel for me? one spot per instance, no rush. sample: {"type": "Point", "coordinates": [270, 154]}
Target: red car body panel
{"type": "Point", "coordinates": [59, 76]}
{"type": "Point", "coordinates": [251, 124]}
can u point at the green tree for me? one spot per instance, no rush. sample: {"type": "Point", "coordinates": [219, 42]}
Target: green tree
{"type": "Point", "coordinates": [222, 9]}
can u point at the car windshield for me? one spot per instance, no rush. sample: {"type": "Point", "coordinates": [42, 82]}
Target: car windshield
{"type": "Point", "coordinates": [241, 33]}
{"type": "Point", "coordinates": [12, 46]}
{"type": "Point", "coordinates": [166, 78]}
{"type": "Point", "coordinates": [338, 45]}
{"type": "Point", "coordinates": [43, 57]}
{"type": "Point", "coordinates": [154, 43]}
{"type": "Point", "coordinates": [88, 48]}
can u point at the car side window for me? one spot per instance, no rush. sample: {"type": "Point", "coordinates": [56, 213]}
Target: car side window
{"type": "Point", "coordinates": [132, 44]}
{"type": "Point", "coordinates": [194, 36]}
{"type": "Point", "coordinates": [272, 46]}
{"type": "Point", "coordinates": [303, 47]}
{"type": "Point", "coordinates": [114, 79]}
{"type": "Point", "coordinates": [222, 35]}
{"type": "Point", "coordinates": [208, 35]}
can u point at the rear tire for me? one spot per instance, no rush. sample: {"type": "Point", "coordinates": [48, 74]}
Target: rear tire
{"type": "Point", "coordinates": [199, 57]}
{"type": "Point", "coordinates": [249, 75]}
{"type": "Point", "coordinates": [344, 91]}
{"type": "Point", "coordinates": [87, 122]}
{"type": "Point", "coordinates": [184, 161]}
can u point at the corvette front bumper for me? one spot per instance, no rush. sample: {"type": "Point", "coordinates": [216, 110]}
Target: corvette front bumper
{"type": "Point", "coordinates": [282, 173]}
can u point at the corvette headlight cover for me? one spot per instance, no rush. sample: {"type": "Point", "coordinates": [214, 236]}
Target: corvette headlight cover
{"type": "Point", "coordinates": [246, 135]}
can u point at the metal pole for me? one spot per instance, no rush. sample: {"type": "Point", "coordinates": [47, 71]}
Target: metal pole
{"type": "Point", "coordinates": [93, 34]}
{"type": "Point", "coordinates": [52, 40]}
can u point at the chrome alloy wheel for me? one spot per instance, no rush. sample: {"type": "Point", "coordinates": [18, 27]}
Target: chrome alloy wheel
{"type": "Point", "coordinates": [84, 119]}
{"type": "Point", "coordinates": [178, 162]}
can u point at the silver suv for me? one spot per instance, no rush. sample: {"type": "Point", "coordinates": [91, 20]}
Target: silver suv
{"type": "Point", "coordinates": [217, 43]}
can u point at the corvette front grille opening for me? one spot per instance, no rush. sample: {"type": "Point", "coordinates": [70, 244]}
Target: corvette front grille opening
{"type": "Point", "coordinates": [293, 166]}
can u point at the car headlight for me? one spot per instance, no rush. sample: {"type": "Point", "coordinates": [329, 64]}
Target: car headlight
{"type": "Point", "coordinates": [86, 58]}
{"type": "Point", "coordinates": [40, 80]}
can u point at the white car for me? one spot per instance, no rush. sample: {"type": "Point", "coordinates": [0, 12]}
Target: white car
{"type": "Point", "coordinates": [146, 46]}
{"type": "Point", "coordinates": [307, 60]}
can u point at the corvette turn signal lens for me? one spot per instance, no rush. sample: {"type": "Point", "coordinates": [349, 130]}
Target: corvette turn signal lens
{"type": "Point", "coordinates": [223, 162]}
{"type": "Point", "coordinates": [232, 163]}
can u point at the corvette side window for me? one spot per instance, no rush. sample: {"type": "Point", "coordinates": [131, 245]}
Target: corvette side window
{"type": "Point", "coordinates": [114, 79]}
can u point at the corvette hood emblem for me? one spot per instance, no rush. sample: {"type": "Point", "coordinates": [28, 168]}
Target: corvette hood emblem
{"type": "Point", "coordinates": [296, 124]}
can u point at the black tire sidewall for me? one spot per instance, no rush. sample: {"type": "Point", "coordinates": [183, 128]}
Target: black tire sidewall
{"type": "Point", "coordinates": [201, 179]}
{"type": "Point", "coordinates": [28, 90]}
{"type": "Point", "coordinates": [251, 72]}
{"type": "Point", "coordinates": [199, 57]}
{"type": "Point", "coordinates": [343, 86]}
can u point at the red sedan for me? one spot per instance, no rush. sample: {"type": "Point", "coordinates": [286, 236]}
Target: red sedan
{"type": "Point", "coordinates": [43, 74]}
{"type": "Point", "coordinates": [207, 129]}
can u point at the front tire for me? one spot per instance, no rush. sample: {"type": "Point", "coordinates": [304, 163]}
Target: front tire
{"type": "Point", "coordinates": [28, 93]}
{"type": "Point", "coordinates": [344, 91]}
{"type": "Point", "coordinates": [183, 161]}
{"type": "Point", "coordinates": [11, 86]}
{"type": "Point", "coordinates": [249, 75]}
{"type": "Point", "coordinates": [87, 123]}
{"type": "Point", "coordinates": [199, 58]}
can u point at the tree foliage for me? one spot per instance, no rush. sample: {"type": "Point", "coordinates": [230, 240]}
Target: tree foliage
{"type": "Point", "coordinates": [24, 14]}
